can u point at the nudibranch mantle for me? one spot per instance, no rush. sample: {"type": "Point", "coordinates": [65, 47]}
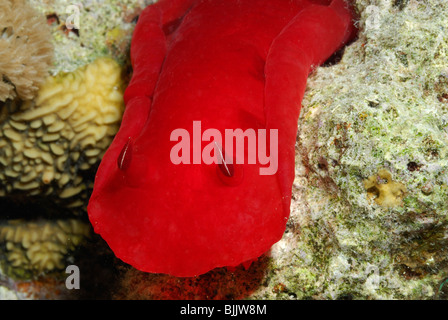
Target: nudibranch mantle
{"type": "Point", "coordinates": [228, 64]}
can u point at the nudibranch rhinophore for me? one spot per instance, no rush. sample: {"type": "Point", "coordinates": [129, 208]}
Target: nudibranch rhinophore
{"type": "Point", "coordinates": [213, 65]}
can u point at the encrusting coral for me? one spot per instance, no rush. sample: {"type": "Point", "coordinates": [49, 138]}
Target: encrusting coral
{"type": "Point", "coordinates": [26, 50]}
{"type": "Point", "coordinates": [47, 145]}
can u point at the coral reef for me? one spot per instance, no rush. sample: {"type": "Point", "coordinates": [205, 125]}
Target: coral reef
{"type": "Point", "coordinates": [51, 140]}
{"type": "Point", "coordinates": [49, 148]}
{"type": "Point", "coordinates": [374, 126]}
{"type": "Point", "coordinates": [51, 144]}
{"type": "Point", "coordinates": [48, 144]}
{"type": "Point", "coordinates": [26, 50]}
{"type": "Point", "coordinates": [41, 245]}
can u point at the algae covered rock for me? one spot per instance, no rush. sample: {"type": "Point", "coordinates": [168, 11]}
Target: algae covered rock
{"type": "Point", "coordinates": [371, 199]}
{"type": "Point", "coordinates": [83, 31]}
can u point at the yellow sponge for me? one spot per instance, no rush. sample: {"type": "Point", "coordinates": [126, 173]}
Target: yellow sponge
{"type": "Point", "coordinates": [384, 190]}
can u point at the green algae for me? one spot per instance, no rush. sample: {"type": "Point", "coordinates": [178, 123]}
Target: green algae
{"type": "Point", "coordinates": [383, 106]}
{"type": "Point", "coordinates": [105, 29]}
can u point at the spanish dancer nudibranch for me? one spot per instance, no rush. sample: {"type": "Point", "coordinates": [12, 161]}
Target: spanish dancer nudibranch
{"type": "Point", "coordinates": [210, 65]}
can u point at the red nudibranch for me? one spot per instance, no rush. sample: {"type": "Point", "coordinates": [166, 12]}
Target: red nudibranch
{"type": "Point", "coordinates": [228, 64]}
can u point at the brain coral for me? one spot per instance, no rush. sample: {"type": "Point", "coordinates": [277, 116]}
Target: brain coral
{"type": "Point", "coordinates": [41, 245]}
{"type": "Point", "coordinates": [25, 50]}
{"type": "Point", "coordinates": [47, 144]}
{"type": "Point", "coordinates": [54, 130]}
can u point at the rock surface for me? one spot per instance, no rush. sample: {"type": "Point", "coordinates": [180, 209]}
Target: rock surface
{"type": "Point", "coordinates": [368, 218]}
